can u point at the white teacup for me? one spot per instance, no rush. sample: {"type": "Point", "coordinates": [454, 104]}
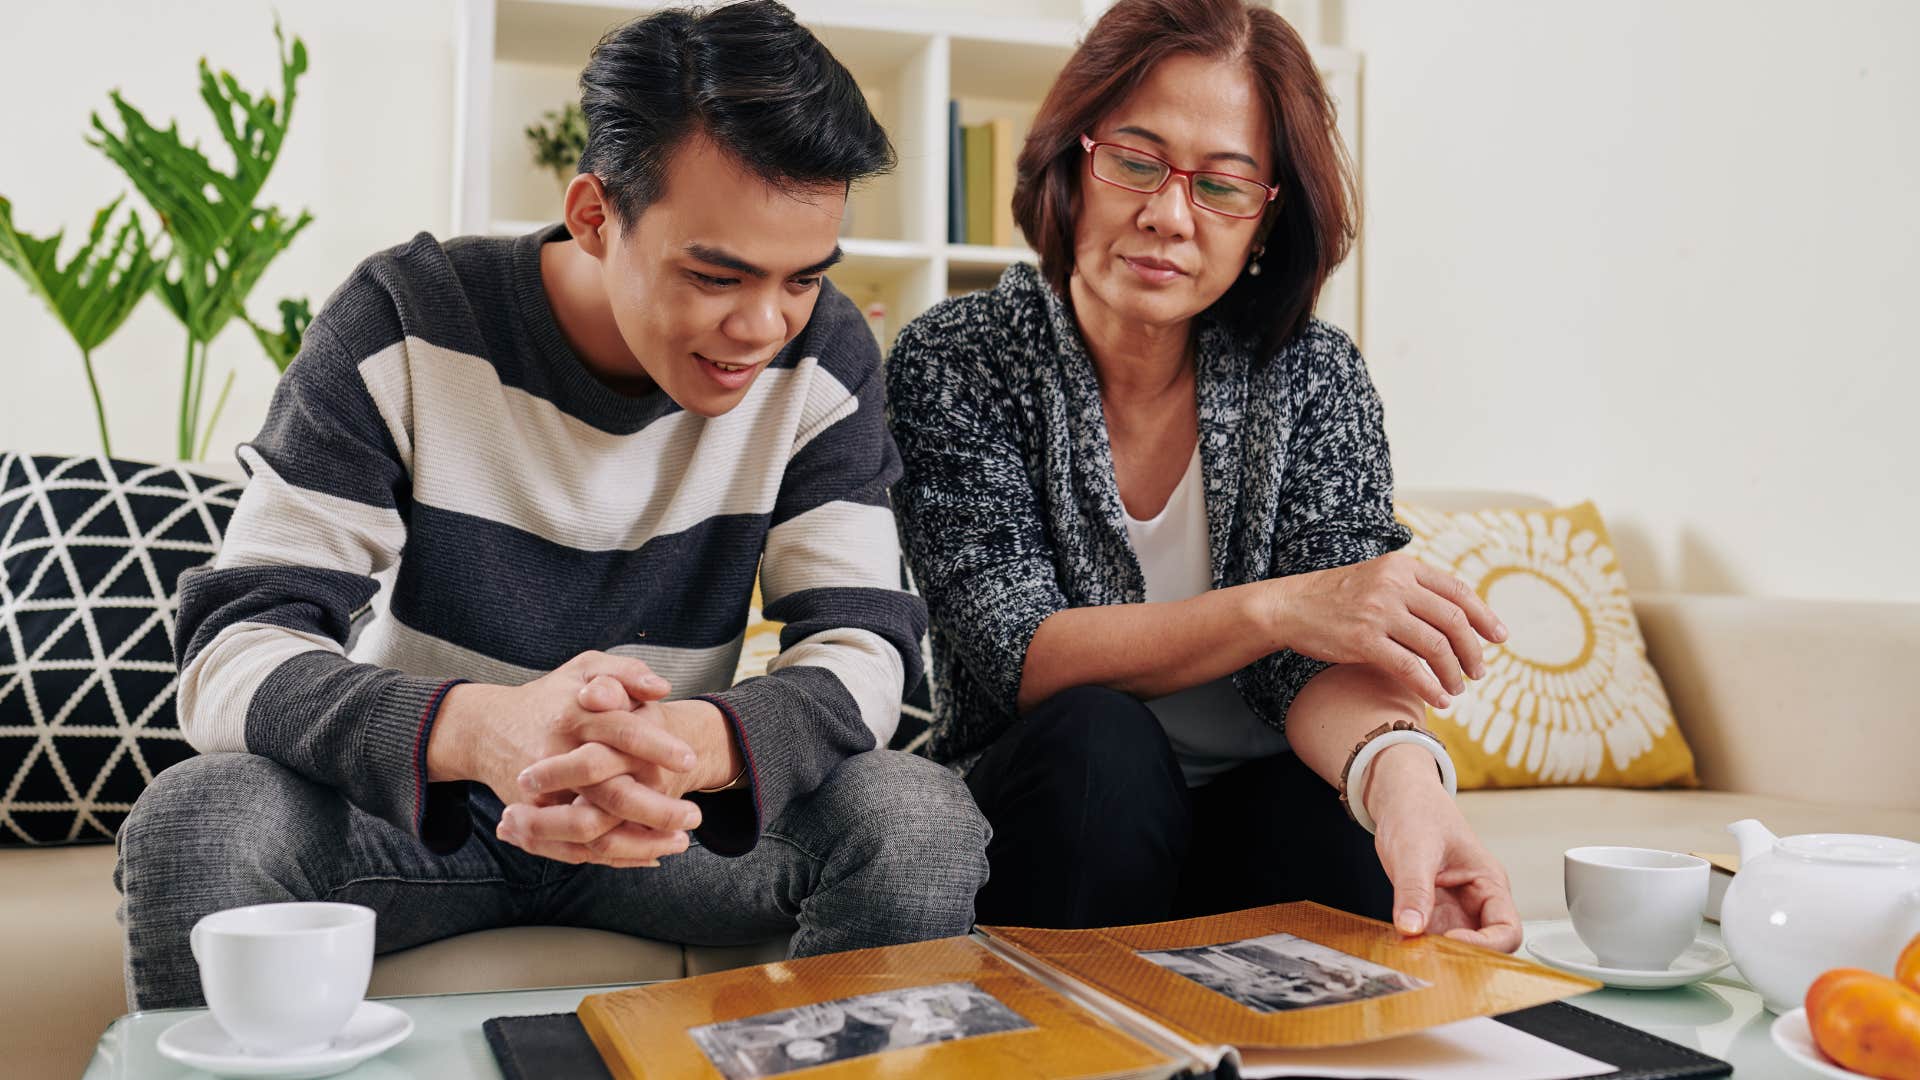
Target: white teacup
{"type": "Point", "coordinates": [1636, 908]}
{"type": "Point", "coordinates": [283, 979]}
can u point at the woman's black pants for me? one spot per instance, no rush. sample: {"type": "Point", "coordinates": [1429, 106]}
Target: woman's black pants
{"type": "Point", "coordinates": [1093, 825]}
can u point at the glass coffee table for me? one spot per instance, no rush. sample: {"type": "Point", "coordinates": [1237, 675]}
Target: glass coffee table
{"type": "Point", "coordinates": [1721, 1016]}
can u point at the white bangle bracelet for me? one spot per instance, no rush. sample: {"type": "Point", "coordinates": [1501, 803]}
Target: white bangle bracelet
{"type": "Point", "coordinates": [1357, 772]}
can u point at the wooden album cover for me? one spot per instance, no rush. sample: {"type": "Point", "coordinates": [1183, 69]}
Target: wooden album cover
{"type": "Point", "coordinates": [937, 1008]}
{"type": "Point", "coordinates": [1292, 976]}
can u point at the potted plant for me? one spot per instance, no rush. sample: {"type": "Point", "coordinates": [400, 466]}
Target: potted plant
{"type": "Point", "coordinates": [559, 140]}
{"type": "Point", "coordinates": [220, 241]}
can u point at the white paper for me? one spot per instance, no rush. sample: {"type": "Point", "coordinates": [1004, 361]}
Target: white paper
{"type": "Point", "coordinates": [1478, 1049]}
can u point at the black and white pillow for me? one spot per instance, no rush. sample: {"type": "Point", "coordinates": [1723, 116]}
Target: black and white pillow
{"type": "Point", "coordinates": [90, 553]}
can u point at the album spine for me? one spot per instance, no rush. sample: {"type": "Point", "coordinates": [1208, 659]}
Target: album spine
{"type": "Point", "coordinates": [1184, 1057]}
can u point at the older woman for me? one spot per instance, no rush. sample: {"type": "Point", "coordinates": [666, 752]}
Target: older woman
{"type": "Point", "coordinates": [1147, 497]}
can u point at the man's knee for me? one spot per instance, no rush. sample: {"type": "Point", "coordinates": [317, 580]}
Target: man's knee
{"type": "Point", "coordinates": [904, 808]}
{"type": "Point", "coordinates": [203, 815]}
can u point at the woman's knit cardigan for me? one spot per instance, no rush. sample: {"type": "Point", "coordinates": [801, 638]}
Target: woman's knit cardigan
{"type": "Point", "coordinates": [1009, 512]}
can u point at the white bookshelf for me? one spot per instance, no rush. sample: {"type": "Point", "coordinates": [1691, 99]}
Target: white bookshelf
{"type": "Point", "coordinates": [517, 59]}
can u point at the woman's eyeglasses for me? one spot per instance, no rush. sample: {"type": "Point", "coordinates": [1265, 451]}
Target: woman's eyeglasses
{"type": "Point", "coordinates": [1138, 171]}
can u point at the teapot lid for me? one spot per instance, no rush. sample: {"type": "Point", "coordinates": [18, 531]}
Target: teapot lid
{"type": "Point", "coordinates": [1852, 848]}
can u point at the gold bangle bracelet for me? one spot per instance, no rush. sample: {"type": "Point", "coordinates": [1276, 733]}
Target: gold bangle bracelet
{"type": "Point", "coordinates": [728, 786]}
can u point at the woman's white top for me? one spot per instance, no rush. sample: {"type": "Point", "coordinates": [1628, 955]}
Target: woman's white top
{"type": "Point", "coordinates": [1210, 727]}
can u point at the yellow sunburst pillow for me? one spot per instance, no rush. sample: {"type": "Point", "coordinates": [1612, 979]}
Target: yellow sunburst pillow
{"type": "Point", "coordinates": [1569, 698]}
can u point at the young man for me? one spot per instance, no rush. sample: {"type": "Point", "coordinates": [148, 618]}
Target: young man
{"type": "Point", "coordinates": [577, 447]}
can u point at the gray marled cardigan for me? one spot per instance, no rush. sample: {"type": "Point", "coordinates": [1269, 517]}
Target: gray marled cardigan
{"type": "Point", "coordinates": [1009, 510]}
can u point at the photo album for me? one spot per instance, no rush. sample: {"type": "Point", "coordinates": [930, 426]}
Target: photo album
{"type": "Point", "coordinates": [1287, 990]}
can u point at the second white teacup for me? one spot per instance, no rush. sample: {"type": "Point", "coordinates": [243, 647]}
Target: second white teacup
{"type": "Point", "coordinates": [283, 979]}
{"type": "Point", "coordinates": [1636, 908]}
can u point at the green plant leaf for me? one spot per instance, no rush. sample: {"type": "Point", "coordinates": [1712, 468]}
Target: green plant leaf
{"type": "Point", "coordinates": [222, 241]}
{"type": "Point", "coordinates": [175, 179]}
{"type": "Point", "coordinates": [283, 345]}
{"type": "Point", "coordinates": [102, 283]}
{"type": "Point", "coordinates": [241, 263]}
{"type": "Point", "coordinates": [254, 128]}
{"type": "Point", "coordinates": [560, 140]}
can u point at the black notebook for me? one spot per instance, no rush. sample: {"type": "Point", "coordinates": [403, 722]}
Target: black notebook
{"type": "Point", "coordinates": [555, 1046]}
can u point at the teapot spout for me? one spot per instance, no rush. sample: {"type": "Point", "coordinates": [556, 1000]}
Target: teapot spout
{"type": "Point", "coordinates": [1755, 839]}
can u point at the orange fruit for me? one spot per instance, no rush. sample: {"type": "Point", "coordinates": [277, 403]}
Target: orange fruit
{"type": "Point", "coordinates": [1866, 1022]}
{"type": "Point", "coordinates": [1907, 969]}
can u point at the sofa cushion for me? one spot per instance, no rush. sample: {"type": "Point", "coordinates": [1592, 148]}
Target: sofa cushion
{"type": "Point", "coordinates": [521, 957]}
{"type": "Point", "coordinates": [90, 553]}
{"type": "Point", "coordinates": [62, 984]}
{"type": "Point", "coordinates": [1530, 830]}
{"type": "Point", "coordinates": [524, 957]}
{"type": "Point", "coordinates": [1570, 697]}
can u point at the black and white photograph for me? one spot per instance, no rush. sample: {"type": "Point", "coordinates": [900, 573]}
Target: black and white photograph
{"type": "Point", "coordinates": [800, 1038]}
{"type": "Point", "coordinates": [1281, 972]}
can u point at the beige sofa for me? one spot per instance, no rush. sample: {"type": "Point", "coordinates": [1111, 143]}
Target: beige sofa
{"type": "Point", "coordinates": [1800, 713]}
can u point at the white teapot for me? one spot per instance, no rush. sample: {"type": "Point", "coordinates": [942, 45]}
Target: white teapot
{"type": "Point", "coordinates": [1802, 905]}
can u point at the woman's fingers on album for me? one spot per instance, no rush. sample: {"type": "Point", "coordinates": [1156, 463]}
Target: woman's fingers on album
{"type": "Point", "coordinates": [1478, 910]}
{"type": "Point", "coordinates": [1497, 910]}
{"type": "Point", "coordinates": [1500, 937]}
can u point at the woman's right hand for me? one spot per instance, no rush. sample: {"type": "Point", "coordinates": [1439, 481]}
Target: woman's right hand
{"type": "Point", "coordinates": [1421, 625]}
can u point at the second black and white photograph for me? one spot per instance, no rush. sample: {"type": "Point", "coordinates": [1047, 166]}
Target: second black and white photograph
{"type": "Point", "coordinates": [1281, 972]}
{"type": "Point", "coordinates": [809, 1035]}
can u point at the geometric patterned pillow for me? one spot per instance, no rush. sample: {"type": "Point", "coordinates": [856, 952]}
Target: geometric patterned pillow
{"type": "Point", "coordinates": [1570, 697]}
{"type": "Point", "coordinates": [90, 553]}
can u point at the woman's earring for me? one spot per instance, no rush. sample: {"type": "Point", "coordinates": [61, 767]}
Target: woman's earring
{"type": "Point", "coordinates": [1253, 265]}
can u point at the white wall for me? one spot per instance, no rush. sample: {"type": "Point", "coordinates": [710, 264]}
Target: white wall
{"type": "Point", "coordinates": [368, 152]}
{"type": "Point", "coordinates": [1665, 255]}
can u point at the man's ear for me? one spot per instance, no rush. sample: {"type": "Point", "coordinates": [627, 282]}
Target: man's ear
{"type": "Point", "coordinates": [588, 214]}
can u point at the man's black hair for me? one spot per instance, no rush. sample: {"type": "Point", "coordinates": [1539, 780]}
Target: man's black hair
{"type": "Point", "coordinates": [747, 75]}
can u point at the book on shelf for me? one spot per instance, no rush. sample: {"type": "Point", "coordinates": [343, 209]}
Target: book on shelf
{"type": "Point", "coordinates": [1287, 990]}
{"type": "Point", "coordinates": [977, 140]}
{"type": "Point", "coordinates": [1005, 156]}
{"type": "Point", "coordinates": [981, 169]}
{"type": "Point", "coordinates": [956, 177]}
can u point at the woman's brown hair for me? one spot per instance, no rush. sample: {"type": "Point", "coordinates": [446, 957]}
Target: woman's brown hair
{"type": "Point", "coordinates": [1314, 221]}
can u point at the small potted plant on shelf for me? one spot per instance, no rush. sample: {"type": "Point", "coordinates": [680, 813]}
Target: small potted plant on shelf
{"type": "Point", "coordinates": [558, 141]}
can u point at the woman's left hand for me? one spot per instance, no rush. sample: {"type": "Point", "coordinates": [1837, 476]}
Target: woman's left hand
{"type": "Point", "coordinates": [1444, 880]}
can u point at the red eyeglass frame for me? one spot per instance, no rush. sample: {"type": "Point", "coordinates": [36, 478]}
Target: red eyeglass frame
{"type": "Point", "coordinates": [1089, 144]}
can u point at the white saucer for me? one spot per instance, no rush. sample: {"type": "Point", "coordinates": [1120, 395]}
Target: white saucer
{"type": "Point", "coordinates": [1795, 1039]}
{"type": "Point", "coordinates": [1561, 948]}
{"type": "Point", "coordinates": [201, 1043]}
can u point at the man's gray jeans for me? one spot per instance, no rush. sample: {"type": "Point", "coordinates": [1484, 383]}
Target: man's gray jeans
{"type": "Point", "coordinates": [889, 849]}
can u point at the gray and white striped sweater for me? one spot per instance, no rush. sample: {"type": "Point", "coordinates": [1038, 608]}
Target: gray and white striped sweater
{"type": "Point", "coordinates": [437, 420]}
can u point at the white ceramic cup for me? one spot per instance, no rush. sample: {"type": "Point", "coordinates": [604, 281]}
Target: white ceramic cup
{"type": "Point", "coordinates": [283, 979]}
{"type": "Point", "coordinates": [1636, 908]}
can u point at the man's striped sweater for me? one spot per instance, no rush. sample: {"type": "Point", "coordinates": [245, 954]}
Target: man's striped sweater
{"type": "Point", "coordinates": [436, 420]}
